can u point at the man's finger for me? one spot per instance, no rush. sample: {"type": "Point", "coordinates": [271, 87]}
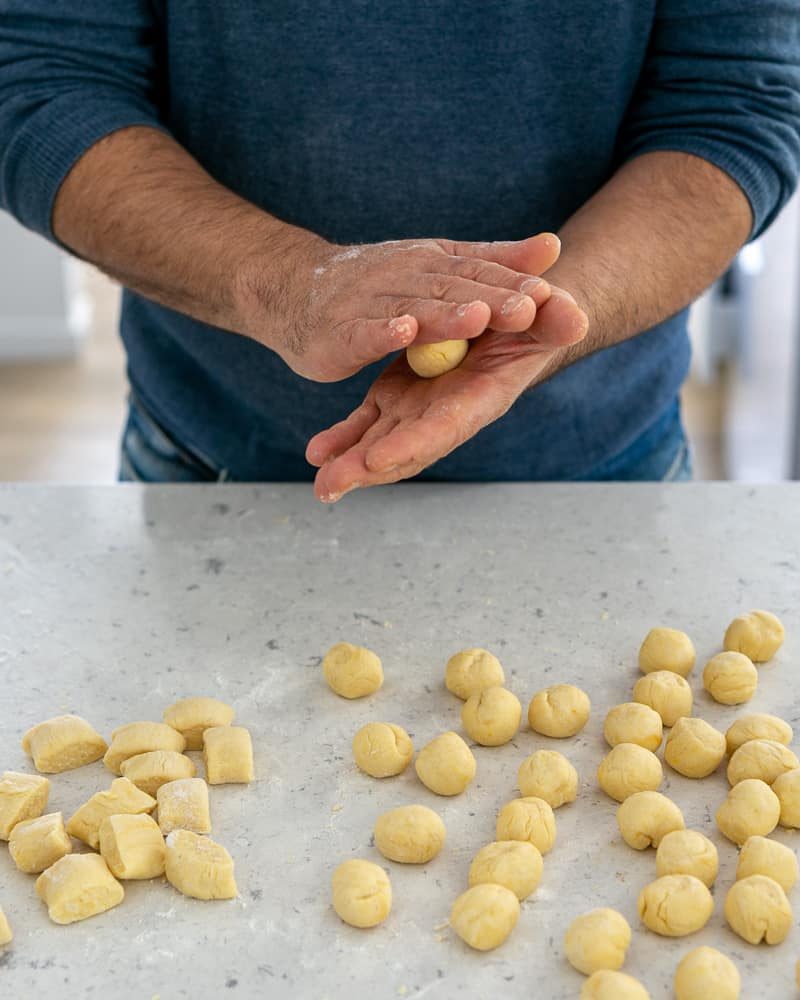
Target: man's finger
{"type": "Point", "coordinates": [420, 444]}
{"type": "Point", "coordinates": [337, 439]}
{"type": "Point", "coordinates": [439, 320]}
{"type": "Point", "coordinates": [560, 321]}
{"type": "Point", "coordinates": [533, 255]}
{"type": "Point", "coordinates": [488, 273]}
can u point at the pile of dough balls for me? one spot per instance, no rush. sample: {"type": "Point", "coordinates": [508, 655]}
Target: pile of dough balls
{"type": "Point", "coordinates": [116, 824]}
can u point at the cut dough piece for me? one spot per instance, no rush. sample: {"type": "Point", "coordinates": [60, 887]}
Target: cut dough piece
{"type": "Point", "coordinates": [199, 867]}
{"type": "Point", "coordinates": [758, 726]}
{"type": "Point", "coordinates": [78, 886]}
{"type": "Point", "coordinates": [516, 864]}
{"type": "Point", "coordinates": [362, 893]}
{"type": "Point", "coordinates": [667, 649]}
{"type": "Point", "coordinates": [491, 717]}
{"type": "Point", "coordinates": [629, 768]}
{"type": "Point", "coordinates": [352, 671]}
{"type": "Point", "coordinates": [758, 635]}
{"type": "Point", "coordinates": [605, 984]}
{"type": "Point", "coordinates": [764, 759]}
{"type": "Point", "coordinates": [149, 771]}
{"type": "Point", "coordinates": [6, 934]}
{"type": "Point", "coordinates": [35, 844]}
{"type": "Point", "coordinates": [787, 787]}
{"type": "Point", "coordinates": [472, 670]}
{"type": "Point", "coordinates": [694, 748]}
{"type": "Point", "coordinates": [730, 678]}
{"type": "Point", "coordinates": [529, 818]}
{"type": "Point", "coordinates": [382, 749]}
{"type": "Point", "coordinates": [704, 973]}
{"type": "Point", "coordinates": [228, 755]}
{"type": "Point", "coordinates": [183, 805]}
{"type": "Point", "coordinates": [596, 940]}
{"type": "Point", "coordinates": [412, 835]}
{"type": "Point", "coordinates": [141, 737]}
{"type": "Point", "coordinates": [675, 905]}
{"type": "Point", "coordinates": [757, 909]}
{"type": "Point", "coordinates": [559, 711]}
{"type": "Point", "coordinates": [645, 818]}
{"type": "Point", "coordinates": [192, 716]}
{"type": "Point", "coordinates": [762, 856]}
{"type": "Point", "coordinates": [132, 846]}
{"type": "Point", "coordinates": [485, 915]}
{"type": "Point", "coordinates": [633, 722]}
{"type": "Point", "coordinates": [122, 797]}
{"type": "Point", "coordinates": [62, 743]}
{"type": "Point", "coordinates": [687, 852]}
{"type": "Point", "coordinates": [751, 809]}
{"type": "Point", "coordinates": [432, 360]}
{"type": "Point", "coordinates": [22, 796]}
{"type": "Point", "coordinates": [548, 775]}
{"type": "Point", "coordinates": [446, 765]}
{"type": "Point", "coordinates": [665, 692]}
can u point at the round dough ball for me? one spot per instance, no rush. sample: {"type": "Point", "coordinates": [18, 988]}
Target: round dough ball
{"type": "Point", "coordinates": [446, 764]}
{"type": "Point", "coordinates": [704, 973]}
{"type": "Point", "coordinates": [730, 678]}
{"type": "Point", "coordinates": [757, 726]}
{"type": "Point", "coordinates": [472, 670]}
{"type": "Point", "coordinates": [352, 671]}
{"type": "Point", "coordinates": [515, 864]}
{"type": "Point", "coordinates": [764, 759]}
{"type": "Point", "coordinates": [694, 748]}
{"type": "Point", "coordinates": [412, 835]}
{"type": "Point", "coordinates": [665, 692]}
{"type": "Point", "coordinates": [675, 905]}
{"type": "Point", "coordinates": [362, 893]}
{"type": "Point", "coordinates": [687, 852]}
{"type": "Point", "coordinates": [432, 360]}
{"type": "Point", "coordinates": [758, 635]}
{"type": "Point", "coordinates": [559, 711]}
{"type": "Point", "coordinates": [530, 819]}
{"type": "Point", "coordinates": [750, 809]}
{"type": "Point", "coordinates": [596, 940]}
{"type": "Point", "coordinates": [605, 984]}
{"type": "Point", "coordinates": [762, 856]}
{"type": "Point", "coordinates": [757, 909]}
{"type": "Point", "coordinates": [787, 787]}
{"type": "Point", "coordinates": [548, 775]}
{"type": "Point", "coordinates": [667, 649]}
{"type": "Point", "coordinates": [645, 818]}
{"type": "Point", "coordinates": [382, 749]}
{"type": "Point", "coordinates": [632, 722]}
{"type": "Point", "coordinates": [628, 768]}
{"type": "Point", "coordinates": [491, 717]}
{"type": "Point", "coordinates": [485, 915]}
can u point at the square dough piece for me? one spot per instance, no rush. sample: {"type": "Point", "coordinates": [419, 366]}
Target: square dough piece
{"type": "Point", "coordinates": [132, 846]}
{"type": "Point", "coordinates": [122, 797]}
{"type": "Point", "coordinates": [192, 716]}
{"type": "Point", "coordinates": [78, 886]}
{"type": "Point", "coordinates": [22, 796]}
{"type": "Point", "coordinates": [228, 755]}
{"type": "Point", "coordinates": [35, 844]}
{"type": "Point", "coordinates": [199, 867]}
{"type": "Point", "coordinates": [63, 743]}
{"type": "Point", "coordinates": [183, 805]}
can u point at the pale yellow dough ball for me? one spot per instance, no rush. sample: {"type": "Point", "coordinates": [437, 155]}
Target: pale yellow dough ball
{"type": "Point", "coordinates": [432, 360]}
{"type": "Point", "coordinates": [446, 765]}
{"type": "Point", "coordinates": [645, 818]}
{"type": "Point", "coordinates": [694, 748]}
{"type": "Point", "coordinates": [665, 692]}
{"type": "Point", "coordinates": [548, 775]}
{"type": "Point", "coordinates": [667, 649]}
{"type": "Point", "coordinates": [687, 852]}
{"type": "Point", "coordinates": [485, 915]}
{"type": "Point", "coordinates": [530, 819]}
{"type": "Point", "coordinates": [362, 893]}
{"type": "Point", "coordinates": [730, 678]}
{"type": "Point", "coordinates": [758, 635]}
{"type": "Point", "coordinates": [491, 717]}
{"type": "Point", "coordinates": [412, 835]}
{"type": "Point", "coordinates": [764, 759]}
{"type": "Point", "coordinates": [757, 726]}
{"type": "Point", "coordinates": [762, 856]}
{"type": "Point", "coordinates": [632, 722]}
{"type": "Point", "coordinates": [751, 809]}
{"type": "Point", "coordinates": [596, 940]}
{"type": "Point", "coordinates": [628, 768]}
{"type": "Point", "coordinates": [352, 671]}
{"type": "Point", "coordinates": [515, 864]}
{"type": "Point", "coordinates": [787, 787]}
{"type": "Point", "coordinates": [605, 984]}
{"type": "Point", "coordinates": [559, 711]}
{"type": "Point", "coordinates": [382, 749]}
{"type": "Point", "coordinates": [757, 909]}
{"type": "Point", "coordinates": [675, 905]}
{"type": "Point", "coordinates": [472, 670]}
{"type": "Point", "coordinates": [706, 974]}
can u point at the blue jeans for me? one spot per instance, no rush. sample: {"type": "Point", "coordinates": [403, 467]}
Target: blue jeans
{"type": "Point", "coordinates": [150, 455]}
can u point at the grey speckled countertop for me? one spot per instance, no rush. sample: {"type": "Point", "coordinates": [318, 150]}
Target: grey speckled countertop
{"type": "Point", "coordinates": [116, 601]}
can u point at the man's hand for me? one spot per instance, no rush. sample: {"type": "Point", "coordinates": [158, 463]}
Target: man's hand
{"type": "Point", "coordinates": [407, 423]}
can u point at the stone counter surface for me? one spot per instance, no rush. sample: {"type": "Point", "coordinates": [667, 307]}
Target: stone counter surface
{"type": "Point", "coordinates": [114, 602]}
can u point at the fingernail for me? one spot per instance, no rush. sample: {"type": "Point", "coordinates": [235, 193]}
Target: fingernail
{"type": "Point", "coordinates": [401, 328]}
{"type": "Point", "coordinates": [530, 285]}
{"type": "Point", "coordinates": [514, 304]}
{"type": "Point", "coordinates": [551, 239]}
{"type": "Point", "coordinates": [465, 308]}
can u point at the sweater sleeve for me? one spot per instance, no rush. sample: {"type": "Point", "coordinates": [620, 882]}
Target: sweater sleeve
{"type": "Point", "coordinates": [71, 72]}
{"type": "Point", "coordinates": [721, 80]}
